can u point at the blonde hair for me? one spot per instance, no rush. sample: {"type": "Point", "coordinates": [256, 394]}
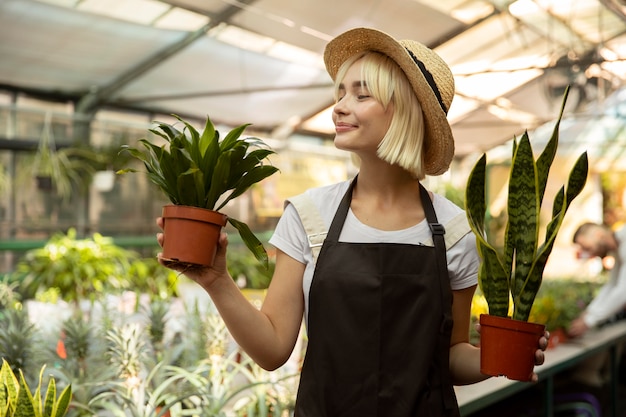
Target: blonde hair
{"type": "Point", "coordinates": [403, 144]}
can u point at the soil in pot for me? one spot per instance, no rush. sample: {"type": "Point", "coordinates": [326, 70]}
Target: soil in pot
{"type": "Point", "coordinates": [507, 347]}
{"type": "Point", "coordinates": [190, 234]}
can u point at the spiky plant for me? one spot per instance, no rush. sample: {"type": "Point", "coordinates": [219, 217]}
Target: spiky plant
{"type": "Point", "coordinates": [516, 271]}
{"type": "Point", "coordinates": [157, 320]}
{"type": "Point", "coordinates": [77, 336]}
{"type": "Point", "coordinates": [17, 339]}
{"type": "Point", "coordinates": [200, 170]}
{"type": "Point", "coordinates": [16, 398]}
{"type": "Point", "coordinates": [127, 351]}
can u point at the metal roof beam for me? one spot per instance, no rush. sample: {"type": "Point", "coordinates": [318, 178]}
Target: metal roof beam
{"type": "Point", "coordinates": [90, 102]}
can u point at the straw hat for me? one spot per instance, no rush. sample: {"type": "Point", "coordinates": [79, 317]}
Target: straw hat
{"type": "Point", "coordinates": [429, 75]}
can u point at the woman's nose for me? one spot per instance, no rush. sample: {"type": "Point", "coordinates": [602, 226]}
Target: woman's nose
{"type": "Point", "coordinates": [340, 107]}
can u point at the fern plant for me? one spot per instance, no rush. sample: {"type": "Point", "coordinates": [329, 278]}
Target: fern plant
{"type": "Point", "coordinates": [200, 170]}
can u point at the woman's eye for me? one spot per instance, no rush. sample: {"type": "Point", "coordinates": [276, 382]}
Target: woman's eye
{"type": "Point", "coordinates": [363, 96]}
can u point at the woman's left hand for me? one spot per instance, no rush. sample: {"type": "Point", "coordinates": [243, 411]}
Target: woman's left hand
{"type": "Point", "coordinates": [539, 355]}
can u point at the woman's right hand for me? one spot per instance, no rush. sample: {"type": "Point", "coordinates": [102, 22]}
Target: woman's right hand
{"type": "Point", "coordinates": [205, 276]}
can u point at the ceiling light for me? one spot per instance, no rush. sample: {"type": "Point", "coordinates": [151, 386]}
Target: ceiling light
{"type": "Point", "coordinates": [523, 8]}
{"type": "Point", "coordinates": [181, 19]}
{"type": "Point", "coordinates": [138, 11]}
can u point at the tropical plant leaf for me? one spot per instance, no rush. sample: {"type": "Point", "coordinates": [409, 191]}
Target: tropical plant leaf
{"type": "Point", "coordinates": [251, 241]}
{"type": "Point", "coordinates": [254, 176]}
{"type": "Point", "coordinates": [197, 169]}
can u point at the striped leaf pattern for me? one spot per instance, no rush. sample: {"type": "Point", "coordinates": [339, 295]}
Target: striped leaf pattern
{"type": "Point", "coordinates": [516, 271]}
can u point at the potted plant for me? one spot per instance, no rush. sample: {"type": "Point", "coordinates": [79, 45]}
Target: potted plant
{"type": "Point", "coordinates": [514, 273]}
{"type": "Point", "coordinates": [200, 173]}
{"type": "Point", "coordinates": [61, 168]}
{"type": "Point", "coordinates": [110, 160]}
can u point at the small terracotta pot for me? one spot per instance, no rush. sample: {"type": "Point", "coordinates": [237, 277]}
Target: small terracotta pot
{"type": "Point", "coordinates": [190, 234]}
{"type": "Point", "coordinates": [507, 346]}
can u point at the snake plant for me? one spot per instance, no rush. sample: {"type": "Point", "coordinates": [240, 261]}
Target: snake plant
{"type": "Point", "coordinates": [515, 271]}
{"type": "Point", "coordinates": [200, 170]}
{"type": "Point", "coordinates": [17, 399]}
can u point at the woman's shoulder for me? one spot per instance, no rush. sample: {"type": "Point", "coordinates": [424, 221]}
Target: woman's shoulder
{"type": "Point", "coordinates": [325, 191]}
{"type": "Point", "coordinates": [326, 198]}
{"type": "Point", "coordinates": [445, 208]}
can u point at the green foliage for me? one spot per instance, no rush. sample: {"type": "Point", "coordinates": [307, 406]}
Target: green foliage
{"type": "Point", "coordinates": [147, 276]}
{"type": "Point", "coordinates": [246, 271]}
{"type": "Point", "coordinates": [124, 362]}
{"type": "Point", "coordinates": [17, 338]}
{"type": "Point", "coordinates": [9, 296]}
{"type": "Point", "coordinates": [517, 270]}
{"type": "Point", "coordinates": [200, 170]}
{"type": "Point", "coordinates": [78, 268]}
{"type": "Point", "coordinates": [560, 301]}
{"type": "Point", "coordinates": [16, 398]}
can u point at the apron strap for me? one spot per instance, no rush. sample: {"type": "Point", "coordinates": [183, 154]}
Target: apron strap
{"type": "Point", "coordinates": [311, 220]}
{"type": "Point", "coordinates": [455, 229]}
{"type": "Point", "coordinates": [445, 330]}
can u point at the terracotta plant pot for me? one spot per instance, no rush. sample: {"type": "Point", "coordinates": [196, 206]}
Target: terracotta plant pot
{"type": "Point", "coordinates": [507, 346]}
{"type": "Point", "coordinates": [190, 234]}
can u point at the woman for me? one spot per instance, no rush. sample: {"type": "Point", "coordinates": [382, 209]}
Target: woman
{"type": "Point", "coordinates": [387, 312]}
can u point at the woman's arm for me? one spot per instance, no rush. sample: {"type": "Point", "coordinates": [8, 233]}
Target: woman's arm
{"type": "Point", "coordinates": [464, 357]}
{"type": "Point", "coordinates": [267, 335]}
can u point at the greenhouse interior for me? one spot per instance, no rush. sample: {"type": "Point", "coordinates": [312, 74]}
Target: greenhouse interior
{"type": "Point", "coordinates": [90, 317]}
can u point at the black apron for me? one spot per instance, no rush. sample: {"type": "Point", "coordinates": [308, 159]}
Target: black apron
{"type": "Point", "coordinates": [379, 328]}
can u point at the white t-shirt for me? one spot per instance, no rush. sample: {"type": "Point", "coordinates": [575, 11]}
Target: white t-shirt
{"type": "Point", "coordinates": [611, 298]}
{"type": "Point", "coordinates": [291, 238]}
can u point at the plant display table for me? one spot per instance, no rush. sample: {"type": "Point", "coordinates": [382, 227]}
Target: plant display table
{"type": "Point", "coordinates": [475, 397]}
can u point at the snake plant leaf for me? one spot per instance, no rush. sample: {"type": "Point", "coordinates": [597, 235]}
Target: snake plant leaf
{"type": "Point", "coordinates": [523, 209]}
{"type": "Point", "coordinates": [524, 260]}
{"type": "Point", "coordinates": [62, 404]}
{"type": "Point", "coordinates": [252, 242]}
{"type": "Point", "coordinates": [24, 406]}
{"type": "Point", "coordinates": [50, 398]}
{"type": "Point", "coordinates": [9, 385]}
{"type": "Point", "coordinates": [577, 178]}
{"type": "Point", "coordinates": [475, 205]}
{"type": "Point", "coordinates": [493, 279]}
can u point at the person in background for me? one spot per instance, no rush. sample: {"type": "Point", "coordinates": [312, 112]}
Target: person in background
{"type": "Point", "coordinates": [386, 300]}
{"type": "Point", "coordinates": [597, 240]}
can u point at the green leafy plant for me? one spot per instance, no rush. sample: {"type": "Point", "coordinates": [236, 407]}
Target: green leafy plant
{"type": "Point", "coordinates": [16, 398]}
{"type": "Point", "coordinates": [516, 271]}
{"type": "Point", "coordinates": [66, 168]}
{"type": "Point", "coordinates": [78, 268]}
{"type": "Point", "coordinates": [200, 170]}
{"type": "Point", "coordinates": [149, 277]}
{"type": "Point", "coordinates": [560, 301]}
